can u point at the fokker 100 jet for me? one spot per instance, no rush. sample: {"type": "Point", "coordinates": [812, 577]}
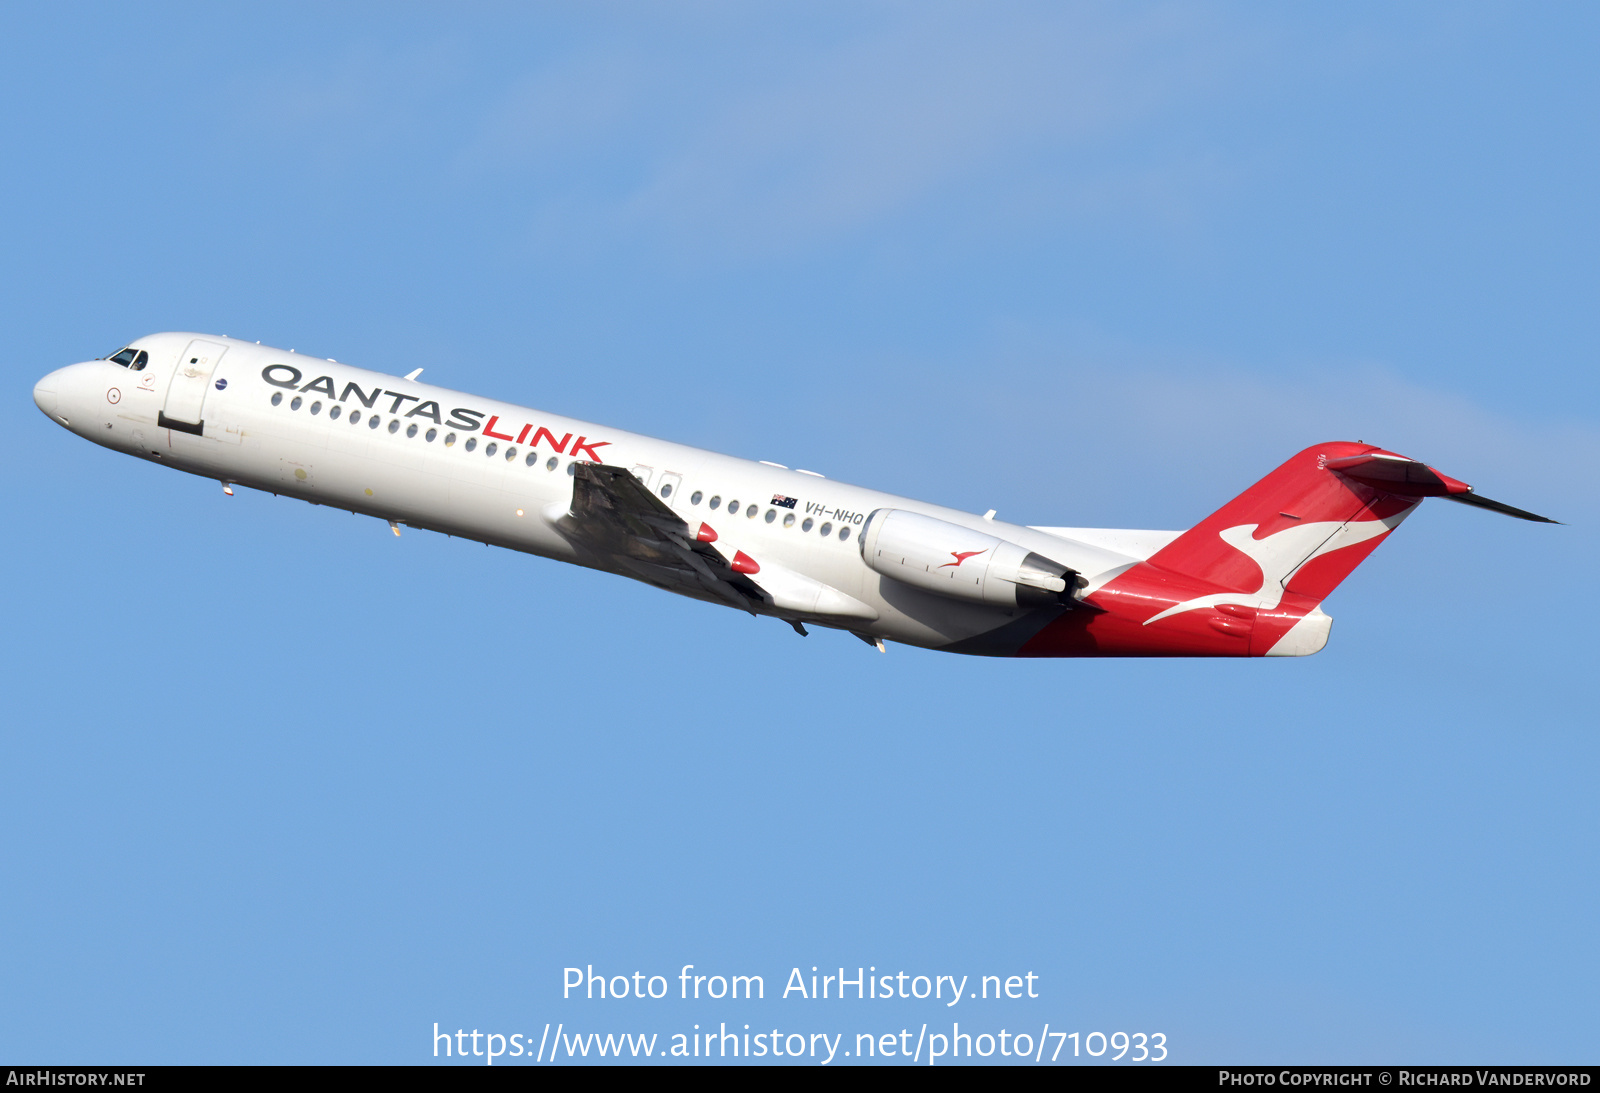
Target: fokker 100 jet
{"type": "Point", "coordinates": [1246, 581]}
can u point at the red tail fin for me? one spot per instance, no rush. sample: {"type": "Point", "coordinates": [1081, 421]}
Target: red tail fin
{"type": "Point", "coordinates": [1247, 579]}
{"type": "Point", "coordinates": [1301, 529]}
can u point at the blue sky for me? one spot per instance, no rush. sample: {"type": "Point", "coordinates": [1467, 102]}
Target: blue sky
{"type": "Point", "coordinates": [282, 788]}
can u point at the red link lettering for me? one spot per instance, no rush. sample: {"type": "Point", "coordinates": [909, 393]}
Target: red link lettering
{"type": "Point", "coordinates": [558, 445]}
{"type": "Point", "coordinates": [589, 446]}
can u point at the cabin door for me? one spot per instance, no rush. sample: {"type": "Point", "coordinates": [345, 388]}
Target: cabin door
{"type": "Point", "coordinates": [186, 394]}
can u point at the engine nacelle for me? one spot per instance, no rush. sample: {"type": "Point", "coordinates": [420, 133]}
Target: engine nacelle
{"type": "Point", "coordinates": [946, 558]}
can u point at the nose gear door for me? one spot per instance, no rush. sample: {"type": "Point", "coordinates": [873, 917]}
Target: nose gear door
{"type": "Point", "coordinates": [186, 394]}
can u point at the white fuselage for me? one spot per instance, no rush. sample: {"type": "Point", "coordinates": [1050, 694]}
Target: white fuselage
{"type": "Point", "coordinates": [429, 457]}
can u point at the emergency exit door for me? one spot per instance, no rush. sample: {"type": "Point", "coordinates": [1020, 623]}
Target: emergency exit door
{"type": "Point", "coordinates": [667, 488]}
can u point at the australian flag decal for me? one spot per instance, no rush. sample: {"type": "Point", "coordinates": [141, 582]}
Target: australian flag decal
{"type": "Point", "coordinates": [783, 502]}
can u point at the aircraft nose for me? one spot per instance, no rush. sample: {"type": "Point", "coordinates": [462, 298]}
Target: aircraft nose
{"type": "Point", "coordinates": [61, 394]}
{"type": "Point", "coordinates": [44, 394]}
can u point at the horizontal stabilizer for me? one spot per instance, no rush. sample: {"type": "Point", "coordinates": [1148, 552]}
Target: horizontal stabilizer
{"type": "Point", "coordinates": [1413, 478]}
{"type": "Point", "coordinates": [1397, 474]}
{"type": "Point", "coordinates": [1470, 498]}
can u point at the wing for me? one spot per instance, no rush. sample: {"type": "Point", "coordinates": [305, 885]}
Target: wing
{"type": "Point", "coordinates": [615, 517]}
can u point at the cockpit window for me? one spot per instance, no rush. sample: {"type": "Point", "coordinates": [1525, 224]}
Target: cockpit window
{"type": "Point", "coordinates": [132, 359]}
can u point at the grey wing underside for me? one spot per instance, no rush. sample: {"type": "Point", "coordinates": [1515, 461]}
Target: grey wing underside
{"type": "Point", "coordinates": [616, 518]}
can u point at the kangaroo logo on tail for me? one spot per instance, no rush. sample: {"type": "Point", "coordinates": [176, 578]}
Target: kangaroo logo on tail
{"type": "Point", "coordinates": [1280, 554]}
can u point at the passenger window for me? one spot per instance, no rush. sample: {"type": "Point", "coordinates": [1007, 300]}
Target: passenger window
{"type": "Point", "coordinates": [715, 501]}
{"type": "Point", "coordinates": [532, 460]}
{"type": "Point", "coordinates": [334, 411]}
{"type": "Point", "coordinates": [449, 439]}
{"type": "Point", "coordinates": [277, 397]}
{"type": "Point", "coordinates": [472, 443]}
{"type": "Point", "coordinates": [827, 530]}
{"type": "Point", "coordinates": [316, 407]}
{"type": "Point", "coordinates": [772, 514]}
{"type": "Point", "coordinates": [806, 526]}
{"type": "Point", "coordinates": [572, 468]}
{"type": "Point", "coordinates": [487, 451]}
{"type": "Point", "coordinates": [694, 498]}
{"type": "Point", "coordinates": [394, 425]}
{"type": "Point", "coordinates": [355, 417]}
{"type": "Point", "coordinates": [844, 533]}
{"type": "Point", "coordinates": [294, 403]}
{"type": "Point", "coordinates": [429, 435]}
{"type": "Point", "coordinates": [374, 421]}
{"type": "Point", "coordinates": [511, 453]}
{"type": "Point", "coordinates": [553, 464]}
{"type": "Point", "coordinates": [788, 519]}
{"type": "Point", "coordinates": [666, 490]}
{"type": "Point", "coordinates": [751, 510]}
{"type": "Point", "coordinates": [411, 430]}
{"type": "Point", "coordinates": [733, 508]}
